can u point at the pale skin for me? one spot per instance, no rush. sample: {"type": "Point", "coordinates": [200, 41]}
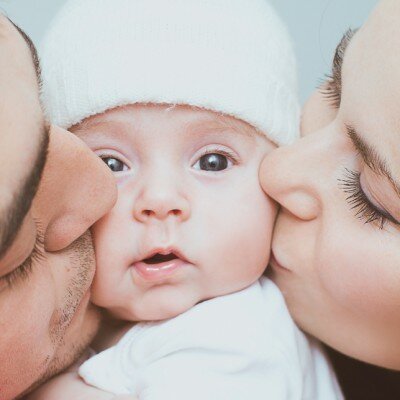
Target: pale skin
{"type": "Point", "coordinates": [333, 287]}
{"type": "Point", "coordinates": [179, 205]}
{"type": "Point", "coordinates": [47, 265]}
{"type": "Point", "coordinates": [179, 171]}
{"type": "Point", "coordinates": [337, 261]}
{"type": "Point", "coordinates": [339, 275]}
{"type": "Point", "coordinates": [313, 291]}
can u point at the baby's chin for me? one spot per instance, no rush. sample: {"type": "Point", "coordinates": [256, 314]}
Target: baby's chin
{"type": "Point", "coordinates": [165, 301]}
{"type": "Point", "coordinates": [158, 304]}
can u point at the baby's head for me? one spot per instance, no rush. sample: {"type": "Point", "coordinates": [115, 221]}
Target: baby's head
{"type": "Point", "coordinates": [182, 99]}
{"type": "Point", "coordinates": [191, 221]}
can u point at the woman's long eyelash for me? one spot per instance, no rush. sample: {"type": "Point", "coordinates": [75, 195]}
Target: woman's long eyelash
{"type": "Point", "coordinates": [359, 202]}
{"type": "Point", "coordinates": [22, 272]}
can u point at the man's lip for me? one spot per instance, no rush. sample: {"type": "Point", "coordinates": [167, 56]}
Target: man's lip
{"type": "Point", "coordinates": [276, 265]}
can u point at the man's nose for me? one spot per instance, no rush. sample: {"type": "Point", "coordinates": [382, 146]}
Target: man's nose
{"type": "Point", "coordinates": [294, 176]}
{"type": "Point", "coordinates": [76, 190]}
{"type": "Point", "coordinates": [160, 197]}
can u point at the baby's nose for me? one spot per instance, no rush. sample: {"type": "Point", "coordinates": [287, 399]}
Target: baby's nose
{"type": "Point", "coordinates": [161, 203]}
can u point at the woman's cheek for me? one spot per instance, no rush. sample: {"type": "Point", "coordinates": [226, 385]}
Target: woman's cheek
{"type": "Point", "coordinates": [354, 274]}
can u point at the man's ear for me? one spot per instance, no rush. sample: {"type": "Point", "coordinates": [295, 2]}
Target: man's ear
{"type": "Point", "coordinates": [317, 112]}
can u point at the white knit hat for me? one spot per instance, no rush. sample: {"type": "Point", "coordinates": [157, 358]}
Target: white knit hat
{"type": "Point", "coordinates": [229, 56]}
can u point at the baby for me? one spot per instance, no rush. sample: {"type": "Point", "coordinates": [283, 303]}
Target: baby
{"type": "Point", "coordinates": [182, 99]}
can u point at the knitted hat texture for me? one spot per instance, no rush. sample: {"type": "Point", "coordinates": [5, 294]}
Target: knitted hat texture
{"type": "Point", "coordinates": [228, 56]}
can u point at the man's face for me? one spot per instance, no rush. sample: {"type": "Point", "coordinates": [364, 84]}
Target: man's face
{"type": "Point", "coordinates": [52, 189]}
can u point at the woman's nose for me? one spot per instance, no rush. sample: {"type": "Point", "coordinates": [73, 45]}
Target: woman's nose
{"type": "Point", "coordinates": [293, 175]}
{"type": "Point", "coordinates": [161, 197]}
{"type": "Point", "coordinates": [76, 190]}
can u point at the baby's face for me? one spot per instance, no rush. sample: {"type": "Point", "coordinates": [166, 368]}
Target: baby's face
{"type": "Point", "coordinates": [191, 221]}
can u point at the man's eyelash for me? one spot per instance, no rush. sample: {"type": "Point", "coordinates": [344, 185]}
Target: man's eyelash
{"type": "Point", "coordinates": [22, 272]}
{"type": "Point", "coordinates": [360, 203]}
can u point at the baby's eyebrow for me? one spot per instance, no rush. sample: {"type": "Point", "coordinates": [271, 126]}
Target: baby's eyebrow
{"type": "Point", "coordinates": [104, 129]}
{"type": "Point", "coordinates": [222, 125]}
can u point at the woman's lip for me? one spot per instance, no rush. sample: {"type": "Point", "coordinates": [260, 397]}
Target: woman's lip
{"type": "Point", "coordinates": [160, 271]}
{"type": "Point", "coordinates": [276, 264]}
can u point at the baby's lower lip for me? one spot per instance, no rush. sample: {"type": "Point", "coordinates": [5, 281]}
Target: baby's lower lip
{"type": "Point", "coordinates": [159, 271]}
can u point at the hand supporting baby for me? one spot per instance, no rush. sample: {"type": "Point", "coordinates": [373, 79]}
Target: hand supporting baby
{"type": "Point", "coordinates": [69, 386]}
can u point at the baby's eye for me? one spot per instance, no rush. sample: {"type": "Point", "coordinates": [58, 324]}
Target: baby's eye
{"type": "Point", "coordinates": [213, 162]}
{"type": "Point", "coordinates": [114, 164]}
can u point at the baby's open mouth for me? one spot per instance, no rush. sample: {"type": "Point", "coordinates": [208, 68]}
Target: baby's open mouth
{"type": "Point", "coordinates": [160, 258]}
{"type": "Point", "coordinates": [160, 264]}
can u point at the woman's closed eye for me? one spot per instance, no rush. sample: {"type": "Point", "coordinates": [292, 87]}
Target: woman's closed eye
{"type": "Point", "coordinates": [364, 208]}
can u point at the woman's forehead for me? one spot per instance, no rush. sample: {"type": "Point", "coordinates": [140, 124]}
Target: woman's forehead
{"type": "Point", "coordinates": [371, 73]}
{"type": "Point", "coordinates": [372, 57]}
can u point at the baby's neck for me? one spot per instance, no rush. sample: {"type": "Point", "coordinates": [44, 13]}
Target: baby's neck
{"type": "Point", "coordinates": [111, 331]}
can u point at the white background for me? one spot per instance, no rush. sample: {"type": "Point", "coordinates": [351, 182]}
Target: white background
{"type": "Point", "coordinates": [316, 27]}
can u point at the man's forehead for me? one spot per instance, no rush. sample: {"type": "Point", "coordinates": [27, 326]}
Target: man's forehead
{"type": "Point", "coordinates": [14, 49]}
{"type": "Point", "coordinates": [9, 35]}
{"type": "Point", "coordinates": [5, 26]}
{"type": "Point", "coordinates": [21, 120]}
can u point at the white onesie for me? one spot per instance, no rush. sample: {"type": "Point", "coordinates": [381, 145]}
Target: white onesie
{"type": "Point", "coordinates": [239, 346]}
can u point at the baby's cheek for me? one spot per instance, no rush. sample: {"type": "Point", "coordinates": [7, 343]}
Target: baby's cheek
{"type": "Point", "coordinates": [256, 233]}
{"type": "Point", "coordinates": [265, 211]}
{"type": "Point", "coordinates": [102, 285]}
{"type": "Point", "coordinates": [106, 262]}
{"type": "Point", "coordinates": [263, 228]}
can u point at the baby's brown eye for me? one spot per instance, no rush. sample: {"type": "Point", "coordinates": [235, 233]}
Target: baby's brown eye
{"type": "Point", "coordinates": [213, 162]}
{"type": "Point", "coordinates": [114, 164]}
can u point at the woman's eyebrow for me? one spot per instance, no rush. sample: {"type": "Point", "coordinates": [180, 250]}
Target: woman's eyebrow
{"type": "Point", "coordinates": [371, 157]}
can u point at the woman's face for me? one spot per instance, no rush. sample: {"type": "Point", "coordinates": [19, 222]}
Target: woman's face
{"type": "Point", "coordinates": [336, 246]}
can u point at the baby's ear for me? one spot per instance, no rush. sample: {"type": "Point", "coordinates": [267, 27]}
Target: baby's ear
{"type": "Point", "coordinates": [317, 112]}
